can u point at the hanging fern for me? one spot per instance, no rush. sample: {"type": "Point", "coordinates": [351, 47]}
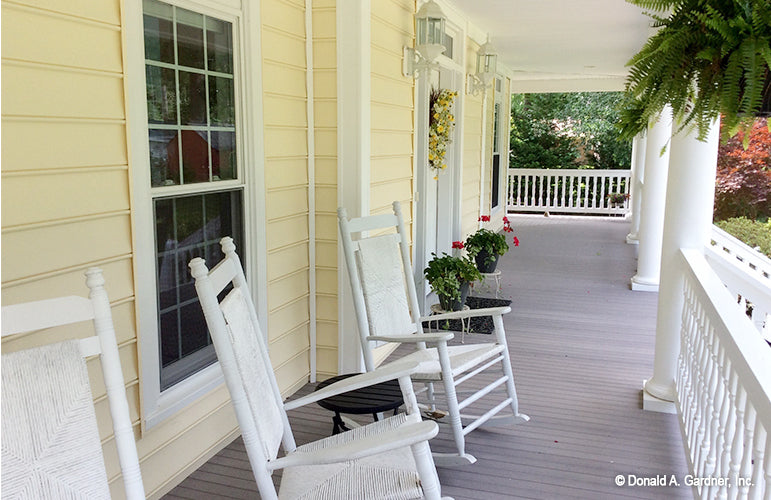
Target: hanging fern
{"type": "Point", "coordinates": [708, 58]}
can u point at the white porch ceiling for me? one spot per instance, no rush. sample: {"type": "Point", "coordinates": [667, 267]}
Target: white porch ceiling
{"type": "Point", "coordinates": [561, 45]}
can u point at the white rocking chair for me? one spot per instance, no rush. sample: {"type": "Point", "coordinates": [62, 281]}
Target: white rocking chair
{"type": "Point", "coordinates": [386, 304]}
{"type": "Point", "coordinates": [51, 447]}
{"type": "Point", "coordinates": [390, 458]}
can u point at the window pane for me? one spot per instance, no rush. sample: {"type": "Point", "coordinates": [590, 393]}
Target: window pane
{"type": "Point", "coordinates": [190, 39]}
{"type": "Point", "coordinates": [196, 335]}
{"type": "Point", "coordinates": [187, 227]}
{"type": "Point", "coordinates": [221, 102]}
{"type": "Point", "coordinates": [164, 157]}
{"type": "Point", "coordinates": [195, 156]}
{"type": "Point", "coordinates": [219, 45]}
{"type": "Point", "coordinates": [161, 95]}
{"type": "Point", "coordinates": [169, 338]}
{"type": "Point", "coordinates": [192, 98]}
{"type": "Point", "coordinates": [223, 155]}
{"type": "Point", "coordinates": [159, 32]}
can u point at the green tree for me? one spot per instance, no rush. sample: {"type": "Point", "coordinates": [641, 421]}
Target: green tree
{"type": "Point", "coordinates": [567, 130]}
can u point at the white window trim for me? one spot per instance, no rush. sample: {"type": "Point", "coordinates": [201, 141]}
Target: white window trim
{"type": "Point", "coordinates": [156, 406]}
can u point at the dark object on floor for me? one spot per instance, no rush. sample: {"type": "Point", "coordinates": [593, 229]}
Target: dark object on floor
{"type": "Point", "coordinates": [478, 325]}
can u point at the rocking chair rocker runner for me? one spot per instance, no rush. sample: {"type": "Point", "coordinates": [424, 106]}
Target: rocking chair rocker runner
{"type": "Point", "coordinates": [51, 446]}
{"type": "Point", "coordinates": [387, 459]}
{"type": "Point", "coordinates": [386, 305]}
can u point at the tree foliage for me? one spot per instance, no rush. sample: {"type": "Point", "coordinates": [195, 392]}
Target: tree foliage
{"type": "Point", "coordinates": [743, 184]}
{"type": "Point", "coordinates": [567, 130]}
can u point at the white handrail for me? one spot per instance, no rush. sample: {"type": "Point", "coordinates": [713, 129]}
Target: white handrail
{"type": "Point", "coordinates": [746, 274]}
{"type": "Point", "coordinates": [723, 389]}
{"type": "Point", "coordinates": [754, 261]}
{"type": "Point", "coordinates": [568, 191]}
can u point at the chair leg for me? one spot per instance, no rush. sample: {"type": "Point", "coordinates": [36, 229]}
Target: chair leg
{"type": "Point", "coordinates": [431, 396]}
{"type": "Point", "coordinates": [429, 481]}
{"type": "Point", "coordinates": [454, 413]}
{"type": "Point", "coordinates": [509, 373]}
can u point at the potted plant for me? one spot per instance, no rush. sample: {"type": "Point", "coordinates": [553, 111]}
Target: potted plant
{"type": "Point", "coordinates": [616, 199]}
{"type": "Point", "coordinates": [486, 246]}
{"type": "Point", "coordinates": [450, 278]}
{"type": "Point", "coordinates": [707, 59]}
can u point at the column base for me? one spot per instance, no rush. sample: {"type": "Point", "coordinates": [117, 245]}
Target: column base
{"type": "Point", "coordinates": [652, 403]}
{"type": "Point", "coordinates": [643, 285]}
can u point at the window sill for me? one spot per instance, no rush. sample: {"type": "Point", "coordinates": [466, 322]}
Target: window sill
{"type": "Point", "coordinates": [183, 394]}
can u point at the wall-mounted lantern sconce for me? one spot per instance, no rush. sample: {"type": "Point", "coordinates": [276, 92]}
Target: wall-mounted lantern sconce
{"type": "Point", "coordinates": [429, 40]}
{"type": "Point", "coordinates": [487, 60]}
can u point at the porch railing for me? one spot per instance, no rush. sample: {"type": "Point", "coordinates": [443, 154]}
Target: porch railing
{"type": "Point", "coordinates": [569, 191]}
{"type": "Point", "coordinates": [723, 390]}
{"type": "Point", "coordinates": [746, 274]}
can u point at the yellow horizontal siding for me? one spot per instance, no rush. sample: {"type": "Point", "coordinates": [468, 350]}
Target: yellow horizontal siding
{"type": "Point", "coordinates": [287, 289]}
{"type": "Point", "coordinates": [45, 249]}
{"type": "Point", "coordinates": [286, 171]}
{"type": "Point", "coordinates": [40, 91]}
{"type": "Point", "coordinates": [93, 10]}
{"type": "Point", "coordinates": [98, 46]}
{"type": "Point", "coordinates": [89, 191]}
{"type": "Point", "coordinates": [67, 144]}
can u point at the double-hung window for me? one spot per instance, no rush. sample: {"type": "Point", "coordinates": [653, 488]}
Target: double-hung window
{"type": "Point", "coordinates": [193, 176]}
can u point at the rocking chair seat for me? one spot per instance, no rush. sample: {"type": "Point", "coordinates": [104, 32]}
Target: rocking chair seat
{"type": "Point", "coordinates": [462, 358]}
{"type": "Point", "coordinates": [391, 475]}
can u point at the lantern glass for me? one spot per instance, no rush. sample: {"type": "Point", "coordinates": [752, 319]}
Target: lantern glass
{"type": "Point", "coordinates": [430, 30]}
{"type": "Point", "coordinates": [486, 63]}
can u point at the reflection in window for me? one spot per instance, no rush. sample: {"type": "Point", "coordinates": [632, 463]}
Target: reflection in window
{"type": "Point", "coordinates": [189, 227]}
{"type": "Point", "coordinates": [190, 96]}
{"type": "Point", "coordinates": [192, 138]}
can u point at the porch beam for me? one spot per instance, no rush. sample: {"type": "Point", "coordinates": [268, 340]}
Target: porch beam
{"type": "Point", "coordinates": [688, 225]}
{"type": "Point", "coordinates": [652, 219]}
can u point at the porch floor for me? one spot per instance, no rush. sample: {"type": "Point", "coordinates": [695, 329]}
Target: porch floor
{"type": "Point", "coordinates": [581, 344]}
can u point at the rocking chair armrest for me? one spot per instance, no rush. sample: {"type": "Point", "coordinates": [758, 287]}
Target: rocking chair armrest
{"type": "Point", "coordinates": [468, 313]}
{"type": "Point", "coordinates": [414, 337]}
{"type": "Point", "coordinates": [404, 435]}
{"type": "Point", "coordinates": [383, 374]}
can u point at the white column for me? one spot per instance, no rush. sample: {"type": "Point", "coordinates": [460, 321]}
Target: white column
{"type": "Point", "coordinates": [638, 170]}
{"type": "Point", "coordinates": [652, 221]}
{"type": "Point", "coordinates": [353, 154]}
{"type": "Point", "coordinates": [688, 224]}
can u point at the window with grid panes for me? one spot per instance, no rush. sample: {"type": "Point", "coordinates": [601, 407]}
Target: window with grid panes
{"type": "Point", "coordinates": [195, 178]}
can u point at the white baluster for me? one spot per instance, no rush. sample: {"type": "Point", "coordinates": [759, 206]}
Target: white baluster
{"type": "Point", "coordinates": [737, 447]}
{"type": "Point", "coordinates": [602, 200]}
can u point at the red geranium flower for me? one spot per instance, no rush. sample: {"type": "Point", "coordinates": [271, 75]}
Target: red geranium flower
{"type": "Point", "coordinates": [516, 241]}
{"type": "Point", "coordinates": [484, 218]}
{"type": "Point", "coordinates": [457, 244]}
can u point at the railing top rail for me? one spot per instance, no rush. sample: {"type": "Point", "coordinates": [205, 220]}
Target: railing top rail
{"type": "Point", "coordinates": [573, 172]}
{"type": "Point", "coordinates": [737, 277]}
{"type": "Point", "coordinates": [748, 353]}
{"type": "Point", "coordinates": [738, 249]}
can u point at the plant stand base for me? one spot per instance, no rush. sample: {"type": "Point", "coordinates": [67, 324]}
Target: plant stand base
{"type": "Point", "coordinates": [496, 276]}
{"type": "Point", "coordinates": [466, 322]}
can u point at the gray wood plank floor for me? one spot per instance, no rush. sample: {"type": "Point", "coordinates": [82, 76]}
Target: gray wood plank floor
{"type": "Point", "coordinates": [581, 344]}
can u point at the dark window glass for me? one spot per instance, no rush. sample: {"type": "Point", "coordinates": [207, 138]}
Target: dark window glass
{"type": "Point", "coordinates": [161, 95]}
{"type": "Point", "coordinates": [219, 45]}
{"type": "Point", "coordinates": [159, 32]}
{"type": "Point", "coordinates": [190, 39]}
{"type": "Point", "coordinates": [164, 157]}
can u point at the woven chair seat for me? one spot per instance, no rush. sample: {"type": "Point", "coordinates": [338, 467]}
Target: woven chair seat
{"type": "Point", "coordinates": [462, 359]}
{"type": "Point", "coordinates": [391, 475]}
